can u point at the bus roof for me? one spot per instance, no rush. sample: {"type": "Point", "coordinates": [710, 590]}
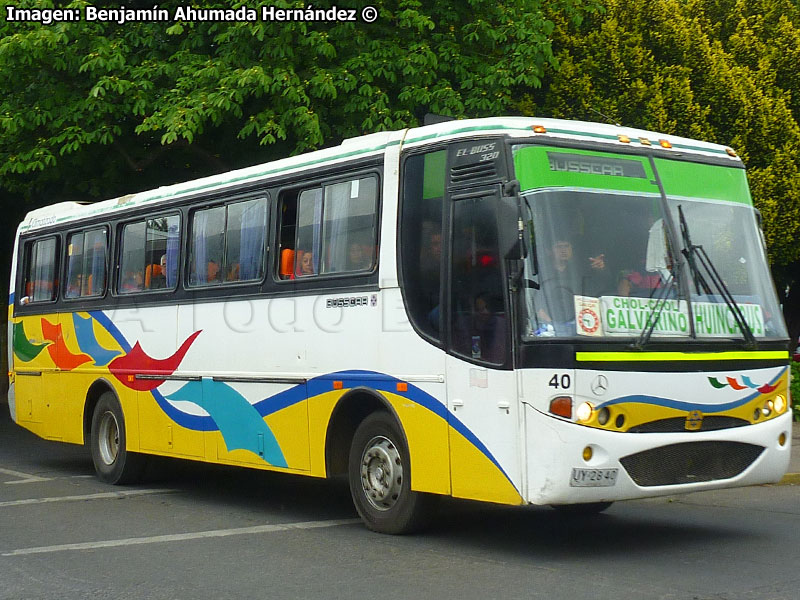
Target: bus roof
{"type": "Point", "coordinates": [376, 144]}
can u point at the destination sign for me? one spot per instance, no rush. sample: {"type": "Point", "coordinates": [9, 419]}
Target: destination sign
{"type": "Point", "coordinates": [595, 165]}
{"type": "Point", "coordinates": [618, 315]}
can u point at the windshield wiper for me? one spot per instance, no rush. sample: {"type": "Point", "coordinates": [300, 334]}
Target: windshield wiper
{"type": "Point", "coordinates": [696, 254]}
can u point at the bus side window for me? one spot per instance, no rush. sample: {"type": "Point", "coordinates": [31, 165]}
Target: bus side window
{"type": "Point", "coordinates": [86, 263]}
{"type": "Point", "coordinates": [348, 227]}
{"type": "Point", "coordinates": [329, 229]}
{"type": "Point", "coordinates": [307, 233]}
{"type": "Point", "coordinates": [227, 243]}
{"type": "Point", "coordinates": [421, 240]}
{"type": "Point", "coordinates": [149, 255]}
{"type": "Point", "coordinates": [39, 284]}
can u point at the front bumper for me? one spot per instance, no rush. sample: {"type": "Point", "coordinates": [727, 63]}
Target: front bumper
{"type": "Point", "coordinates": [555, 447]}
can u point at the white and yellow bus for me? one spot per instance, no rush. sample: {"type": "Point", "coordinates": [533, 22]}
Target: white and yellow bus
{"type": "Point", "coordinates": [512, 310]}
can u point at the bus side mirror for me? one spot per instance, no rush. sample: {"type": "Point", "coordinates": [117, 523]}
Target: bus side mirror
{"type": "Point", "coordinates": [511, 246]}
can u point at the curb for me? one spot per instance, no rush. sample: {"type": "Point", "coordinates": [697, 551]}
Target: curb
{"type": "Point", "coordinates": [790, 479]}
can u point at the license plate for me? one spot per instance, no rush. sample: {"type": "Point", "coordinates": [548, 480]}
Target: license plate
{"type": "Point", "coordinates": [593, 477]}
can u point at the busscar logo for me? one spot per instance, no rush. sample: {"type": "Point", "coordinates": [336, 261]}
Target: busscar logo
{"type": "Point", "coordinates": [347, 302]}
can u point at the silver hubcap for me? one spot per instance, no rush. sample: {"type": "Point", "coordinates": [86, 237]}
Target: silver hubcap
{"type": "Point", "coordinates": [381, 473]}
{"type": "Point", "coordinates": [108, 438]}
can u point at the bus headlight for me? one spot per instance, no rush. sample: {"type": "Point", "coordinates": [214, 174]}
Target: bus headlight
{"type": "Point", "coordinates": [584, 412]}
{"type": "Point", "coordinates": [780, 404]}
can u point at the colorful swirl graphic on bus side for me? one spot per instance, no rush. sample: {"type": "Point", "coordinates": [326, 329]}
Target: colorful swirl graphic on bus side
{"type": "Point", "coordinates": [241, 423]}
{"type": "Point", "coordinates": [84, 332]}
{"type": "Point", "coordinates": [137, 361]}
{"type": "Point", "coordinates": [24, 349]}
{"type": "Point", "coordinates": [746, 384]}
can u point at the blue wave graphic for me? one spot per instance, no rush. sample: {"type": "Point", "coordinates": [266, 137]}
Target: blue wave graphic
{"type": "Point", "coordinates": [88, 343]}
{"type": "Point", "coordinates": [240, 424]}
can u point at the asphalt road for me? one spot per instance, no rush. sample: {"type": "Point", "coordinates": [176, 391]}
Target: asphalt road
{"type": "Point", "coordinates": [195, 531]}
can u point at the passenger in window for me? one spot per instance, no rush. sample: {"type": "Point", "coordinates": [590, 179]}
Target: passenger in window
{"type": "Point", "coordinates": [132, 282]}
{"type": "Point", "coordinates": [481, 333]}
{"type": "Point", "coordinates": [569, 278]}
{"type": "Point", "coordinates": [74, 287]}
{"type": "Point", "coordinates": [639, 283]}
{"type": "Point", "coordinates": [233, 273]}
{"type": "Point", "coordinates": [158, 280]}
{"type": "Point", "coordinates": [306, 264]}
{"type": "Point", "coordinates": [359, 257]}
{"type": "Point", "coordinates": [430, 277]}
{"type": "Point", "coordinates": [213, 272]}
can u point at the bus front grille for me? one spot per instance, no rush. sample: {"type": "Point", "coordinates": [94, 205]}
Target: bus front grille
{"type": "Point", "coordinates": [678, 424]}
{"type": "Point", "coordinates": [690, 462]}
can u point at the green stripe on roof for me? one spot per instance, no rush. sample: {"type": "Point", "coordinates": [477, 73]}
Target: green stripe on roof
{"type": "Point", "coordinates": [343, 155]}
{"type": "Point", "coordinates": [679, 177]}
{"type": "Point", "coordinates": [532, 169]}
{"type": "Point", "coordinates": [698, 180]}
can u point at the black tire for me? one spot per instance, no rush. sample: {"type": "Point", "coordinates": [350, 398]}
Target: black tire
{"type": "Point", "coordinates": [112, 461]}
{"type": "Point", "coordinates": [589, 508]}
{"type": "Point", "coordinates": [380, 478]}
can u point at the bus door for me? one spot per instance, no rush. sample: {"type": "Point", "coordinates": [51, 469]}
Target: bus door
{"type": "Point", "coordinates": [33, 341]}
{"type": "Point", "coordinates": [481, 385]}
{"type": "Point", "coordinates": [31, 360]}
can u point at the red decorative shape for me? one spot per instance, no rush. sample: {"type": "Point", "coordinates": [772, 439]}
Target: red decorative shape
{"type": "Point", "coordinates": [61, 355]}
{"type": "Point", "coordinates": [767, 388]}
{"type": "Point", "coordinates": [137, 362]}
{"type": "Point", "coordinates": [125, 368]}
{"type": "Point", "coordinates": [735, 384]}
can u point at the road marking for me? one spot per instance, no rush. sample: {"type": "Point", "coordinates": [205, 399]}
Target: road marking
{"type": "Point", "coordinates": [181, 537]}
{"type": "Point", "coordinates": [790, 479]}
{"type": "Point", "coordinates": [24, 477]}
{"type": "Point", "coordinates": [99, 496]}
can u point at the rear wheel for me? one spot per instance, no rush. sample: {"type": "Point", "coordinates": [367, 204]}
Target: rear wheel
{"type": "Point", "coordinates": [112, 461]}
{"type": "Point", "coordinates": [379, 472]}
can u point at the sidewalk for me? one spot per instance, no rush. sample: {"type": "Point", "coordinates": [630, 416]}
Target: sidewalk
{"type": "Point", "coordinates": [793, 476]}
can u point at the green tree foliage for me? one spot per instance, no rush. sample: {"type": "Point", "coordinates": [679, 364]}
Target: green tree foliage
{"type": "Point", "coordinates": [95, 109]}
{"type": "Point", "coordinates": [86, 104]}
{"type": "Point", "coordinates": [721, 70]}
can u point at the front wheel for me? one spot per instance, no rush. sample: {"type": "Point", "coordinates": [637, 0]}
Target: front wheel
{"type": "Point", "coordinates": [379, 472]}
{"type": "Point", "coordinates": [112, 461]}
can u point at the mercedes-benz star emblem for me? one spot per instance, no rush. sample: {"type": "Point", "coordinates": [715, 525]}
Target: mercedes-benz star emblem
{"type": "Point", "coordinates": [599, 385]}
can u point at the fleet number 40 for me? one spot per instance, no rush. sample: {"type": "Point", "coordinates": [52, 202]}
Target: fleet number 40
{"type": "Point", "coordinates": [560, 381]}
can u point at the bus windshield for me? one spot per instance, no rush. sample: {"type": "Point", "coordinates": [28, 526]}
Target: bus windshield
{"type": "Point", "coordinates": [601, 262]}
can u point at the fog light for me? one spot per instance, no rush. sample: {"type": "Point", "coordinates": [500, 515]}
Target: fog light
{"type": "Point", "coordinates": [603, 416]}
{"type": "Point", "coordinates": [756, 414]}
{"type": "Point", "coordinates": [588, 453]}
{"type": "Point", "coordinates": [781, 440]}
{"type": "Point", "coordinates": [584, 412]}
{"type": "Point", "coordinates": [780, 404]}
